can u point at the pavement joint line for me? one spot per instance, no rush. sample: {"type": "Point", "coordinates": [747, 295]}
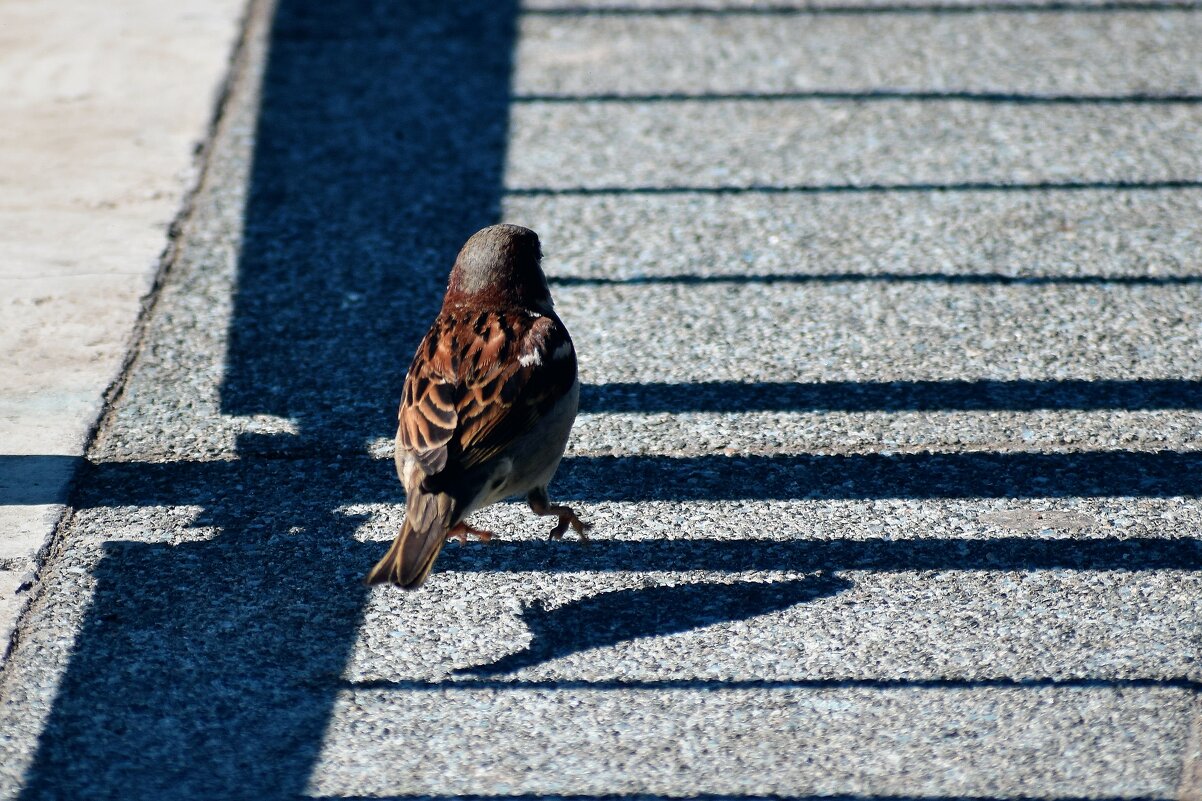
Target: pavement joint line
{"type": "Point", "coordinates": [882, 9]}
{"type": "Point", "coordinates": [1013, 448]}
{"type": "Point", "coordinates": [735, 685]}
{"type": "Point", "coordinates": [856, 278]}
{"type": "Point", "coordinates": [836, 557]}
{"type": "Point", "coordinates": [833, 189]}
{"type": "Point", "coordinates": [868, 95]}
{"type": "Point", "coordinates": [731, 796]}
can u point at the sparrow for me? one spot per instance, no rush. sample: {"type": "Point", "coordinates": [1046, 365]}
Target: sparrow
{"type": "Point", "coordinates": [487, 405]}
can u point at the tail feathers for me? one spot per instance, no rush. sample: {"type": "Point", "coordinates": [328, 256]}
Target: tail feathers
{"type": "Point", "coordinates": [427, 520]}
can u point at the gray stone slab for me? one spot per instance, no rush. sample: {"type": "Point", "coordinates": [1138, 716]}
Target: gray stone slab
{"type": "Point", "coordinates": [675, 743]}
{"type": "Point", "coordinates": [874, 236]}
{"type": "Point", "coordinates": [752, 433]}
{"type": "Point", "coordinates": [860, 332]}
{"type": "Point", "coordinates": [1048, 54]}
{"type": "Point", "coordinates": [816, 143]}
{"type": "Point", "coordinates": [964, 377]}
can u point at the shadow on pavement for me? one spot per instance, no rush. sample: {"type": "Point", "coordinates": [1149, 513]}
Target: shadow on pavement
{"type": "Point", "coordinates": [379, 148]}
{"type": "Point", "coordinates": [35, 479]}
{"type": "Point", "coordinates": [878, 475]}
{"type": "Point", "coordinates": [865, 476]}
{"type": "Point", "coordinates": [208, 668]}
{"type": "Point", "coordinates": [893, 396]}
{"type": "Point", "coordinates": [609, 618]}
{"type": "Point", "coordinates": [876, 554]}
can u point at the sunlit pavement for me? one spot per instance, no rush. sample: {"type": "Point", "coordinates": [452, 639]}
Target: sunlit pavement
{"type": "Point", "coordinates": [891, 434]}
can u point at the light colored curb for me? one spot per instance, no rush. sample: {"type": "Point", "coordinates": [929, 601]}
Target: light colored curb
{"type": "Point", "coordinates": [106, 107]}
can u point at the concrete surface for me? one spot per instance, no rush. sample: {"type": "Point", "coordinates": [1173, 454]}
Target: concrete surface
{"type": "Point", "coordinates": [1032, 56]}
{"type": "Point", "coordinates": [895, 488]}
{"type": "Point", "coordinates": [104, 109]}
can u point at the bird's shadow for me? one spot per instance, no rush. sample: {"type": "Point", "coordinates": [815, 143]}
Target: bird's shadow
{"type": "Point", "coordinates": [612, 617]}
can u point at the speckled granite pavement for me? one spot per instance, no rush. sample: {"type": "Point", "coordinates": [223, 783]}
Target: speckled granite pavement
{"type": "Point", "coordinates": [890, 324]}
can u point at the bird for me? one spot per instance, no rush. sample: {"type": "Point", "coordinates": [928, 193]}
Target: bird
{"type": "Point", "coordinates": [487, 405]}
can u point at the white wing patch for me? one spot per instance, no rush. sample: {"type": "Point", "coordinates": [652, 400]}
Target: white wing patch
{"type": "Point", "coordinates": [533, 357]}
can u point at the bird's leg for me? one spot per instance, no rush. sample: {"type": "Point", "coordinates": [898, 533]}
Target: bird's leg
{"type": "Point", "coordinates": [541, 505]}
{"type": "Point", "coordinates": [461, 530]}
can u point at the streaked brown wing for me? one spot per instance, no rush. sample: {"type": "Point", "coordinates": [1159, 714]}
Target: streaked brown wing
{"type": "Point", "coordinates": [427, 417]}
{"type": "Point", "coordinates": [478, 382]}
{"type": "Point", "coordinates": [523, 388]}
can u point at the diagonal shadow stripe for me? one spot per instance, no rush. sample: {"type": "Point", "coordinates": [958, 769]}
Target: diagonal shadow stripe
{"type": "Point", "coordinates": [869, 476]}
{"type": "Point", "coordinates": [736, 685]}
{"type": "Point", "coordinates": [893, 396]}
{"type": "Point", "coordinates": [608, 618]}
{"type": "Point", "coordinates": [703, 478]}
{"type": "Point", "coordinates": [36, 479]}
{"type": "Point", "coordinates": [737, 556]}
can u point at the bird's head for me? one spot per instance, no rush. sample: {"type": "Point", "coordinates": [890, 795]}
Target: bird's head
{"type": "Point", "coordinates": [500, 266]}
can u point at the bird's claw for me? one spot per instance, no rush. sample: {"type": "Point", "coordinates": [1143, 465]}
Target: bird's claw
{"type": "Point", "coordinates": [461, 531]}
{"type": "Point", "coordinates": [568, 518]}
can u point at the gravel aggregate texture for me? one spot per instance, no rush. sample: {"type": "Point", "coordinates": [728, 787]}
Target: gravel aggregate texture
{"type": "Point", "coordinates": [784, 145]}
{"type": "Point", "coordinates": [1030, 56]}
{"type": "Point", "coordinates": [895, 494]}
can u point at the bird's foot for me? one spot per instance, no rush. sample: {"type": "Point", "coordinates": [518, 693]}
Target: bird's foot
{"type": "Point", "coordinates": [542, 506]}
{"type": "Point", "coordinates": [568, 518]}
{"type": "Point", "coordinates": [460, 532]}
